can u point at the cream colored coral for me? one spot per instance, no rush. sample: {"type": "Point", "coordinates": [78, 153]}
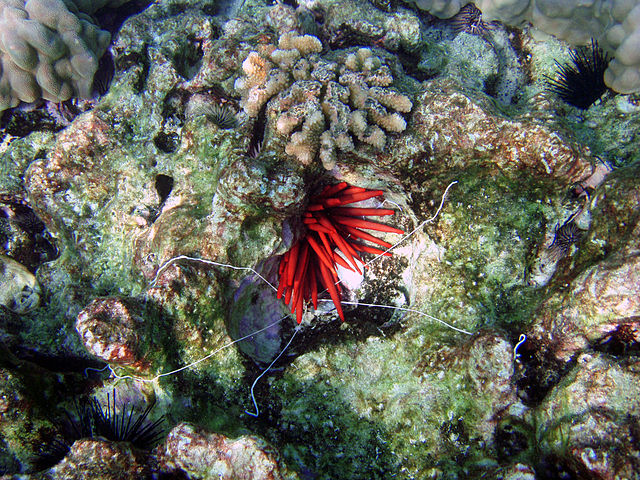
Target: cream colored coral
{"type": "Point", "coordinates": [305, 44]}
{"type": "Point", "coordinates": [268, 73]}
{"type": "Point", "coordinates": [614, 23]}
{"type": "Point", "coordinates": [48, 49]}
{"type": "Point", "coordinates": [304, 144]}
{"type": "Point", "coordinates": [322, 105]}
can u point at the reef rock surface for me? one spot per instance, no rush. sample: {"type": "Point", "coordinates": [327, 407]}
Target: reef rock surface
{"type": "Point", "coordinates": [499, 341]}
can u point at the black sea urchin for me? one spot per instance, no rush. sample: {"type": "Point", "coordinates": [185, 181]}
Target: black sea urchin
{"type": "Point", "coordinates": [469, 20]}
{"type": "Point", "coordinates": [92, 419]}
{"type": "Point", "coordinates": [581, 82]}
{"type": "Point", "coordinates": [126, 425]}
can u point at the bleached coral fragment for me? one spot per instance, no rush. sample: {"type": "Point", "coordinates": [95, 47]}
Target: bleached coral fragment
{"type": "Point", "coordinates": [391, 122]}
{"type": "Point", "coordinates": [374, 136]}
{"type": "Point", "coordinates": [391, 99]}
{"type": "Point", "coordinates": [358, 122]}
{"type": "Point", "coordinates": [258, 95]}
{"type": "Point", "coordinates": [289, 121]}
{"type": "Point", "coordinates": [304, 144]}
{"type": "Point", "coordinates": [327, 155]}
{"type": "Point", "coordinates": [285, 58]}
{"type": "Point", "coordinates": [358, 95]}
{"type": "Point", "coordinates": [305, 44]}
{"type": "Point", "coordinates": [256, 68]}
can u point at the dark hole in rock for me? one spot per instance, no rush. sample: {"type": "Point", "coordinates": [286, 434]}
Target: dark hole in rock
{"type": "Point", "coordinates": [166, 142]}
{"type": "Point", "coordinates": [103, 77]}
{"type": "Point", "coordinates": [621, 341]}
{"type": "Point", "coordinates": [174, 104]}
{"type": "Point", "coordinates": [559, 467]}
{"type": "Point", "coordinates": [112, 18]}
{"type": "Point", "coordinates": [62, 362]}
{"type": "Point", "coordinates": [511, 438]}
{"type": "Point", "coordinates": [164, 185]}
{"type": "Point", "coordinates": [257, 134]}
{"type": "Point", "coordinates": [540, 372]}
{"type": "Point", "coordinates": [21, 121]}
{"type": "Point", "coordinates": [23, 235]}
{"type": "Point", "coordinates": [188, 57]}
{"type": "Point", "coordinates": [491, 86]}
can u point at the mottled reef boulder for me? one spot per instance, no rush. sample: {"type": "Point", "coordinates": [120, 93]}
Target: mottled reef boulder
{"type": "Point", "coordinates": [203, 454]}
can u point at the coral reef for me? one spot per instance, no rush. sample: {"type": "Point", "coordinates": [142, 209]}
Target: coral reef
{"type": "Point", "coordinates": [323, 103]}
{"type": "Point", "coordinates": [614, 25]}
{"type": "Point", "coordinates": [48, 50]}
{"type": "Point", "coordinates": [533, 377]}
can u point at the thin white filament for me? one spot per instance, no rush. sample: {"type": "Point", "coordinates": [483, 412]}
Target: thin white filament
{"type": "Point", "coordinates": [253, 398]}
{"type": "Point", "coordinates": [171, 261]}
{"type": "Point", "coordinates": [403, 309]}
{"type": "Point", "coordinates": [196, 362]}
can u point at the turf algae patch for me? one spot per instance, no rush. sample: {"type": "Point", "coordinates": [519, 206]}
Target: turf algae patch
{"type": "Point", "coordinates": [388, 395]}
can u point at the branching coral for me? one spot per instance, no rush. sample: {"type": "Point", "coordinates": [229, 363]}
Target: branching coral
{"type": "Point", "coordinates": [321, 104]}
{"type": "Point", "coordinates": [48, 49]}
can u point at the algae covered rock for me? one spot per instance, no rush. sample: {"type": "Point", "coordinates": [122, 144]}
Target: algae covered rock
{"type": "Point", "coordinates": [19, 289]}
{"type": "Point", "coordinates": [169, 226]}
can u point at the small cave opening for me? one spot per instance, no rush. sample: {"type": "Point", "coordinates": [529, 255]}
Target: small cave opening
{"type": "Point", "coordinates": [539, 371]}
{"type": "Point", "coordinates": [164, 185]}
{"type": "Point", "coordinates": [166, 142]}
{"type": "Point", "coordinates": [188, 57]}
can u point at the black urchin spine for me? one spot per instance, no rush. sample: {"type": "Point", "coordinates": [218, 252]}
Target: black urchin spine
{"type": "Point", "coordinates": [580, 82]}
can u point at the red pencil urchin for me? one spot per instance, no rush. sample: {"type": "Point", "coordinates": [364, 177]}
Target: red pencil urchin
{"type": "Point", "coordinates": [330, 225]}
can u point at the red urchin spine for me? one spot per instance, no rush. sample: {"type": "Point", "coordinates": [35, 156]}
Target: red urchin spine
{"type": "Point", "coordinates": [330, 225]}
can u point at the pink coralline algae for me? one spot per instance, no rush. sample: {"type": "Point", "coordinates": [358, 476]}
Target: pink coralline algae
{"type": "Point", "coordinates": [211, 455]}
{"type": "Point", "coordinates": [108, 329]}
